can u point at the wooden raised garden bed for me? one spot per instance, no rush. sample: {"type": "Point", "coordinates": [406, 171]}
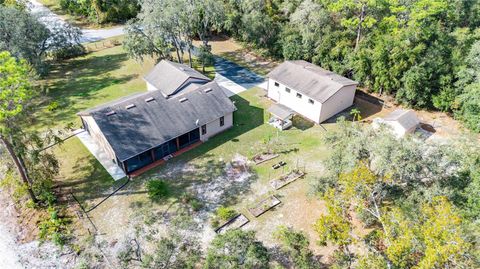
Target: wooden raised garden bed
{"type": "Point", "coordinates": [286, 179]}
{"type": "Point", "coordinates": [263, 157]}
{"type": "Point", "coordinates": [264, 205]}
{"type": "Point", "coordinates": [234, 223]}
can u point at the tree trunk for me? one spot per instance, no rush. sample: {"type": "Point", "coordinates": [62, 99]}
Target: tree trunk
{"type": "Point", "coordinates": [190, 56]}
{"type": "Point", "coordinates": [178, 54]}
{"type": "Point", "coordinates": [359, 28]}
{"type": "Point", "coordinates": [21, 169]}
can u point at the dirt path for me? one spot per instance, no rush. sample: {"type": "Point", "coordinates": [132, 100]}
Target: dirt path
{"type": "Point", "coordinates": [9, 257]}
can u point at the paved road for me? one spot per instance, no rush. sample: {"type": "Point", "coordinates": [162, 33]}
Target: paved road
{"type": "Point", "coordinates": [88, 35]}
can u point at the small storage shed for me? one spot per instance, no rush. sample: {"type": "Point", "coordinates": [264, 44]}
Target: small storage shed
{"type": "Point", "coordinates": [401, 122]}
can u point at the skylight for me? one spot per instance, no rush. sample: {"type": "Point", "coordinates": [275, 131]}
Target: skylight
{"type": "Point", "coordinates": [130, 106]}
{"type": "Point", "coordinates": [149, 99]}
{"type": "Point", "coordinates": [183, 99]}
{"type": "Point", "coordinates": [110, 113]}
{"type": "Point", "coordinates": [208, 90]}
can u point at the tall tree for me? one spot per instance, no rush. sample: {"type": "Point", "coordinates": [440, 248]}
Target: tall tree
{"type": "Point", "coordinates": [236, 249]}
{"type": "Point", "coordinates": [15, 95]}
{"type": "Point", "coordinates": [24, 36]}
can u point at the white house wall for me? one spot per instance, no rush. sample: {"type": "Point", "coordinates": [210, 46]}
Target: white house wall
{"type": "Point", "coordinates": [214, 127]}
{"type": "Point", "coordinates": [290, 99]}
{"type": "Point", "coordinates": [338, 102]}
{"type": "Point", "coordinates": [98, 136]}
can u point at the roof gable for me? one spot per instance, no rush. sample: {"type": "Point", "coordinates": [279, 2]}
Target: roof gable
{"type": "Point", "coordinates": [310, 79]}
{"type": "Point", "coordinates": [170, 77]}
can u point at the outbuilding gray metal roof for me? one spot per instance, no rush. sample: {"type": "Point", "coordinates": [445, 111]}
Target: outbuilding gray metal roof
{"type": "Point", "coordinates": [135, 124]}
{"type": "Point", "coordinates": [170, 77]}
{"type": "Point", "coordinates": [309, 79]}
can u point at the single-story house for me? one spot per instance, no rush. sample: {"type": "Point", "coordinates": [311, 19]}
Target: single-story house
{"type": "Point", "coordinates": [400, 121]}
{"type": "Point", "coordinates": [138, 130]}
{"type": "Point", "coordinates": [310, 90]}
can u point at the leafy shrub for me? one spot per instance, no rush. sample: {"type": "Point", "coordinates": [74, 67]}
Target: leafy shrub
{"type": "Point", "coordinates": [44, 193]}
{"type": "Point", "coordinates": [102, 11]}
{"type": "Point", "coordinates": [367, 218]}
{"type": "Point", "coordinates": [54, 228]}
{"type": "Point", "coordinates": [226, 213]}
{"type": "Point", "coordinates": [222, 215]}
{"type": "Point", "coordinates": [68, 52]}
{"type": "Point", "coordinates": [52, 106]}
{"type": "Point", "coordinates": [157, 189]}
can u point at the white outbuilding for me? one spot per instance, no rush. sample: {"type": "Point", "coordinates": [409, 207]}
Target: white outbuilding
{"type": "Point", "coordinates": [309, 90]}
{"type": "Point", "coordinates": [400, 121]}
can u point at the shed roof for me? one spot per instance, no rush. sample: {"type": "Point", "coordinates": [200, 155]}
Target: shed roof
{"type": "Point", "coordinates": [135, 124]}
{"type": "Point", "coordinates": [280, 111]}
{"type": "Point", "coordinates": [406, 118]}
{"type": "Point", "coordinates": [309, 79]}
{"type": "Point", "coordinates": [170, 77]}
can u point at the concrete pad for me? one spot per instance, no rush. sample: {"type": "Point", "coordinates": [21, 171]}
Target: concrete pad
{"type": "Point", "coordinates": [229, 87]}
{"type": "Point", "coordinates": [263, 85]}
{"type": "Point", "coordinates": [100, 155]}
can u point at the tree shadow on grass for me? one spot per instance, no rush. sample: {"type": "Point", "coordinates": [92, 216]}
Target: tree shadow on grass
{"type": "Point", "coordinates": [73, 83]}
{"type": "Point", "coordinates": [88, 66]}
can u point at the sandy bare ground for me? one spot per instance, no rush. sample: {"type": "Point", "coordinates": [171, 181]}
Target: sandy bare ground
{"type": "Point", "coordinates": [16, 254]}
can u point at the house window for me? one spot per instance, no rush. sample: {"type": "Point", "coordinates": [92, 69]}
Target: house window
{"type": "Point", "coordinates": [204, 129]}
{"type": "Point", "coordinates": [299, 95]}
{"type": "Point", "coordinates": [287, 90]}
{"type": "Point", "coordinates": [310, 101]}
{"type": "Point", "coordinates": [222, 121]}
{"type": "Point", "coordinates": [276, 84]}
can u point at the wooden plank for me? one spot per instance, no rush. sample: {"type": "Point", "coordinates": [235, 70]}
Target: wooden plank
{"type": "Point", "coordinates": [286, 179]}
{"type": "Point", "coordinates": [234, 223]}
{"type": "Point", "coordinates": [264, 205]}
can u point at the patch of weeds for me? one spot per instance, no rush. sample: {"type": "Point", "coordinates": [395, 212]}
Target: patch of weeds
{"type": "Point", "coordinates": [54, 227]}
{"type": "Point", "coordinates": [193, 202]}
{"type": "Point", "coordinates": [222, 215]}
{"type": "Point", "coordinates": [82, 265]}
{"type": "Point", "coordinates": [53, 106]}
{"type": "Point", "coordinates": [19, 189]}
{"type": "Point", "coordinates": [150, 219]}
{"type": "Point", "coordinates": [136, 204]}
{"type": "Point", "coordinates": [157, 190]}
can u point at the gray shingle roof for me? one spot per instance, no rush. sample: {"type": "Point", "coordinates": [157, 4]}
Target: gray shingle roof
{"type": "Point", "coordinates": [170, 77]}
{"type": "Point", "coordinates": [131, 131]}
{"type": "Point", "coordinates": [309, 79]}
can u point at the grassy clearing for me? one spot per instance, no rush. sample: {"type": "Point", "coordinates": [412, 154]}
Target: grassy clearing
{"type": "Point", "coordinates": [87, 81]}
